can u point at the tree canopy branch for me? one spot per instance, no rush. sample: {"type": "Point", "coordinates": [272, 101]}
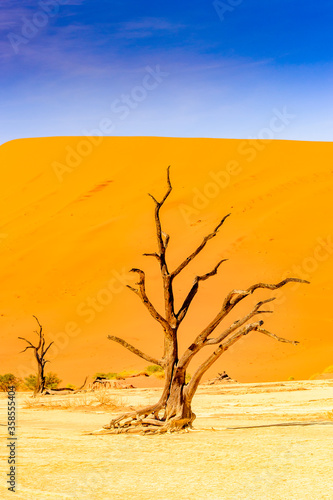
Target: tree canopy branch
{"type": "Point", "coordinates": [141, 292]}
{"type": "Point", "coordinates": [199, 248]}
{"type": "Point", "coordinates": [240, 322]}
{"type": "Point", "coordinates": [192, 293]}
{"type": "Point", "coordinates": [193, 385]}
{"type": "Point", "coordinates": [136, 351]}
{"type": "Point", "coordinates": [153, 254]}
{"type": "Point", "coordinates": [48, 347]}
{"type": "Point", "coordinates": [234, 297]}
{"type": "Point", "coordinates": [41, 337]}
{"type": "Point", "coordinates": [224, 346]}
{"type": "Point", "coordinates": [158, 204]}
{"type": "Point", "coordinates": [240, 294]}
{"type": "Point", "coordinates": [275, 337]}
{"type": "Point", "coordinates": [162, 242]}
{"type": "Point", "coordinates": [30, 346]}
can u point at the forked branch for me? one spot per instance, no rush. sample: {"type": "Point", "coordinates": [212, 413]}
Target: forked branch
{"type": "Point", "coordinates": [192, 293]}
{"type": "Point", "coordinates": [234, 297]}
{"type": "Point", "coordinates": [141, 292]}
{"type": "Point", "coordinates": [240, 322]}
{"type": "Point", "coordinates": [199, 248]}
{"type": "Point", "coordinates": [162, 244]}
{"type": "Point", "coordinates": [224, 346]}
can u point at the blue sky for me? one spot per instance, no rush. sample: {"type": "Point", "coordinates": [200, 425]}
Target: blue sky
{"type": "Point", "coordinates": [185, 69]}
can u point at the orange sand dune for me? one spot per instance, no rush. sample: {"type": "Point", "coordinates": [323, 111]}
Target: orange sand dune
{"type": "Point", "coordinates": [75, 217]}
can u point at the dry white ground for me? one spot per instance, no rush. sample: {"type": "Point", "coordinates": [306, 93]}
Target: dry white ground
{"type": "Point", "coordinates": [246, 456]}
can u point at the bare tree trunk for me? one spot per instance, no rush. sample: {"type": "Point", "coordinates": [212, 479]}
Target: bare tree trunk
{"type": "Point", "coordinates": [40, 351]}
{"type": "Point", "coordinates": [40, 382]}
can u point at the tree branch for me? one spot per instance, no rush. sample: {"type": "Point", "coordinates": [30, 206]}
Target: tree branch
{"type": "Point", "coordinates": [192, 293]}
{"type": "Point", "coordinates": [193, 385]}
{"type": "Point", "coordinates": [191, 388]}
{"type": "Point", "coordinates": [158, 205]}
{"type": "Point", "coordinates": [136, 351]}
{"type": "Point", "coordinates": [41, 337]}
{"type": "Point", "coordinates": [240, 322]}
{"type": "Point", "coordinates": [199, 248]}
{"type": "Point", "coordinates": [240, 294]}
{"type": "Point", "coordinates": [232, 299]}
{"type": "Point", "coordinates": [30, 346]}
{"type": "Point", "coordinates": [163, 241]}
{"type": "Point", "coordinates": [154, 254]}
{"type": "Point", "coordinates": [141, 292]}
{"type": "Point", "coordinates": [44, 352]}
{"type": "Point", "coordinates": [275, 337]}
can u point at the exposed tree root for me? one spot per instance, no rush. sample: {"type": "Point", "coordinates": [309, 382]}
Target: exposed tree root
{"type": "Point", "coordinates": [147, 421]}
{"type": "Point", "coordinates": [134, 416]}
{"type": "Point", "coordinates": [145, 426]}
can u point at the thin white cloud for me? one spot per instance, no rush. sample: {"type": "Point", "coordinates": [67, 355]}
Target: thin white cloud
{"type": "Point", "coordinates": [146, 27]}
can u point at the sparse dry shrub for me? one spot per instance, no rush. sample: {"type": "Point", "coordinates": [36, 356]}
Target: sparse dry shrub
{"type": "Point", "coordinates": [95, 401]}
{"type": "Point", "coordinates": [31, 402]}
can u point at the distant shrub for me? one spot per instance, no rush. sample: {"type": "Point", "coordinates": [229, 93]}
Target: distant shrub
{"type": "Point", "coordinates": [329, 369]}
{"type": "Point", "coordinates": [153, 369]}
{"type": "Point", "coordinates": [9, 380]}
{"type": "Point", "coordinates": [126, 373]}
{"type": "Point", "coordinates": [109, 375]}
{"type": "Point", "coordinates": [51, 381]}
{"type": "Point", "coordinates": [291, 378]}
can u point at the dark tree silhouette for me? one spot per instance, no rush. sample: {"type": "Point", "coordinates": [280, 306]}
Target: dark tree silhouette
{"type": "Point", "coordinates": [40, 351]}
{"type": "Point", "coordinates": [173, 411]}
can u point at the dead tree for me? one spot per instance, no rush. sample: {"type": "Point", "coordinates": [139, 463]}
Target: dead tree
{"type": "Point", "coordinates": [173, 410]}
{"type": "Point", "coordinates": [40, 351]}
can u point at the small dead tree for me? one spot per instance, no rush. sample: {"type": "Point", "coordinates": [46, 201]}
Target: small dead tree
{"type": "Point", "coordinates": [173, 411]}
{"type": "Point", "coordinates": [40, 351]}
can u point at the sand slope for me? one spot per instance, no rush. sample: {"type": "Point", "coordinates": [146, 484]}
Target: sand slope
{"type": "Point", "coordinates": [72, 225]}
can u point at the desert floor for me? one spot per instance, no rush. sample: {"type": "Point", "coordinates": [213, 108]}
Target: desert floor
{"type": "Point", "coordinates": [237, 450]}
